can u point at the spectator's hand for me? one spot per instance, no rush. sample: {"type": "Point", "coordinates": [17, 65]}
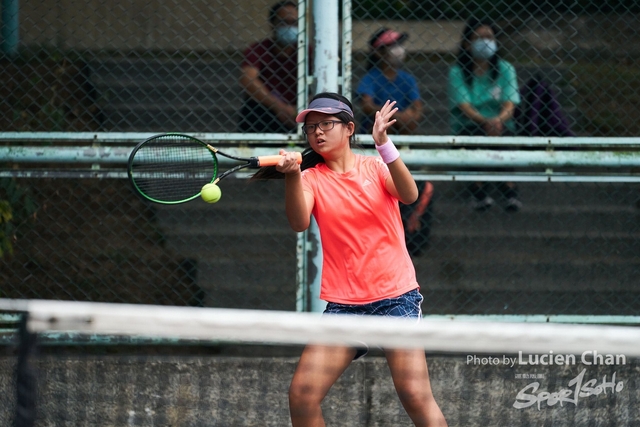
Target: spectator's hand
{"type": "Point", "coordinates": [383, 122]}
{"type": "Point", "coordinates": [403, 117]}
{"type": "Point", "coordinates": [494, 127]}
{"type": "Point", "coordinates": [287, 114]}
{"type": "Point", "coordinates": [406, 121]}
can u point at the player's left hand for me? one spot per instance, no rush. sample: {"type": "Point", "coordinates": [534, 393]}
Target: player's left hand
{"type": "Point", "coordinates": [383, 122]}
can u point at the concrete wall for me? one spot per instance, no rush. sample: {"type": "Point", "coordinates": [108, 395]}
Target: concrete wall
{"type": "Point", "coordinates": [224, 25]}
{"type": "Point", "coordinates": [238, 391]}
{"type": "Point", "coordinates": [173, 25]}
{"type": "Point", "coordinates": [140, 24]}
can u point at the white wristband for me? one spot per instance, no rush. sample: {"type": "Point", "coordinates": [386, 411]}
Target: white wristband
{"type": "Point", "coordinates": [388, 151]}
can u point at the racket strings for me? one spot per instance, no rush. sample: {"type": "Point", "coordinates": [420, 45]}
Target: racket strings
{"type": "Point", "coordinates": [172, 168]}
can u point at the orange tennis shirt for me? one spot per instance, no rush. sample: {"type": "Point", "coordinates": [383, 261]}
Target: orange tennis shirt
{"type": "Point", "coordinates": [365, 258]}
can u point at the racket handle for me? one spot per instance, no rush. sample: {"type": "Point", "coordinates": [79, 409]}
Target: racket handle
{"type": "Point", "coordinates": [273, 160]}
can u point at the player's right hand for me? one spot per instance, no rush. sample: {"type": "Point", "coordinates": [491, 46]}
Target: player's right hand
{"type": "Point", "coordinates": [288, 163]}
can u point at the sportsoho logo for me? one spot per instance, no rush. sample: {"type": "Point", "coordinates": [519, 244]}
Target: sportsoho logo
{"type": "Point", "coordinates": [577, 388]}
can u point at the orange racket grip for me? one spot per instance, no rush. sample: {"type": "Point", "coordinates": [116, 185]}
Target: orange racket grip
{"type": "Point", "coordinates": [273, 160]}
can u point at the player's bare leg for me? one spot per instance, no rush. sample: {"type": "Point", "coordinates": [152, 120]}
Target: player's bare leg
{"type": "Point", "coordinates": [411, 379]}
{"type": "Point", "coordinates": [318, 369]}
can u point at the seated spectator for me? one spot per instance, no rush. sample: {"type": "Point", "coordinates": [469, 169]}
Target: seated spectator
{"type": "Point", "coordinates": [483, 94]}
{"type": "Point", "coordinates": [269, 75]}
{"type": "Point", "coordinates": [385, 80]}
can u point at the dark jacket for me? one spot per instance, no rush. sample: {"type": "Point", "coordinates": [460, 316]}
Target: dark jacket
{"type": "Point", "coordinates": [540, 113]}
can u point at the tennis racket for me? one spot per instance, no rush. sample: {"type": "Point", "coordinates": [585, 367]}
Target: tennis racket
{"type": "Point", "coordinates": [172, 168]}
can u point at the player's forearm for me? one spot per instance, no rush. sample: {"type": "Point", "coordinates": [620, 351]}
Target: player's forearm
{"type": "Point", "coordinates": [295, 203]}
{"type": "Point", "coordinates": [403, 181]}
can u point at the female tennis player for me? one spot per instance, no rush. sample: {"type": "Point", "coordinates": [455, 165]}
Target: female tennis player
{"type": "Point", "coordinates": [366, 267]}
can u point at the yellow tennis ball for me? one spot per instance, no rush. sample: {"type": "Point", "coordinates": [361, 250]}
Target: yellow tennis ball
{"type": "Point", "coordinates": [211, 193]}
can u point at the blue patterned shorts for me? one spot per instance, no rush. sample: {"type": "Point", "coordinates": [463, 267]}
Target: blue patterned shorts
{"type": "Point", "coordinates": [407, 305]}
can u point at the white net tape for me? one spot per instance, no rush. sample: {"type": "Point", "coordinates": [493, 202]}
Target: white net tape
{"type": "Point", "coordinates": [259, 326]}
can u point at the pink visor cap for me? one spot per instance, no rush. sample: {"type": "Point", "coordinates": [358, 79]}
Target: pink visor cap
{"type": "Point", "coordinates": [389, 37]}
{"type": "Point", "coordinates": [326, 106]}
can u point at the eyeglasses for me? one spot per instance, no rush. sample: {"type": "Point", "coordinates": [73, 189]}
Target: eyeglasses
{"type": "Point", "coordinates": [324, 125]}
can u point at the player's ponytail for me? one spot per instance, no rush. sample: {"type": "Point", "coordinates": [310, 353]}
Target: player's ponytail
{"type": "Point", "coordinates": [309, 157]}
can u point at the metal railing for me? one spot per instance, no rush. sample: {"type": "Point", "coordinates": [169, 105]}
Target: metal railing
{"type": "Point", "coordinates": [103, 157]}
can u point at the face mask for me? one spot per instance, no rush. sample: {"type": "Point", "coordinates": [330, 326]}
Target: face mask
{"type": "Point", "coordinates": [396, 55]}
{"type": "Point", "coordinates": [287, 35]}
{"type": "Point", "coordinates": [483, 48]}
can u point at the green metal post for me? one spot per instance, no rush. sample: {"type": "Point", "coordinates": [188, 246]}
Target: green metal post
{"type": "Point", "coordinates": [10, 27]}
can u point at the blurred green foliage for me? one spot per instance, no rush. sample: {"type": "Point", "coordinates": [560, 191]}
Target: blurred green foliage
{"type": "Point", "coordinates": [16, 207]}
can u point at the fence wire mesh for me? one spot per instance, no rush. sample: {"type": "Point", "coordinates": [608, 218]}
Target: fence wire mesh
{"type": "Point", "coordinates": [136, 65]}
{"type": "Point", "coordinates": [95, 240]}
{"type": "Point", "coordinates": [178, 65]}
{"type": "Point", "coordinates": [572, 250]}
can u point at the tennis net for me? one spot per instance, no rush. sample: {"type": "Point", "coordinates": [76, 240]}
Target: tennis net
{"type": "Point", "coordinates": [95, 364]}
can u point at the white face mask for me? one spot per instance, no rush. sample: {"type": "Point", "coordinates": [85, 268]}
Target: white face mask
{"type": "Point", "coordinates": [287, 35]}
{"type": "Point", "coordinates": [483, 48]}
{"type": "Point", "coordinates": [396, 55]}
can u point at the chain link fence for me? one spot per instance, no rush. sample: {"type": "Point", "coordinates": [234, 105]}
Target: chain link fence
{"type": "Point", "coordinates": [137, 66]}
{"type": "Point", "coordinates": [572, 250]}
{"type": "Point", "coordinates": [95, 240]}
{"type": "Point", "coordinates": [176, 66]}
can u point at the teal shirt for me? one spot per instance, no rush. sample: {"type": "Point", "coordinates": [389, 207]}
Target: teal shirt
{"type": "Point", "coordinates": [484, 95]}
